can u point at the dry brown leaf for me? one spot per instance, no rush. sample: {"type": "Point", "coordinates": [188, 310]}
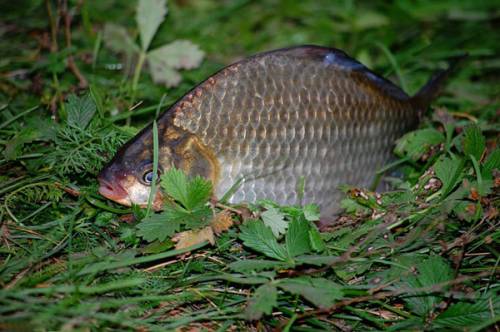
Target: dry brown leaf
{"type": "Point", "coordinates": [190, 238]}
{"type": "Point", "coordinates": [221, 222]}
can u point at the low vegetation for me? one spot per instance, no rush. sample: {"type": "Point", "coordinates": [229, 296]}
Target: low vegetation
{"type": "Point", "coordinates": [80, 78]}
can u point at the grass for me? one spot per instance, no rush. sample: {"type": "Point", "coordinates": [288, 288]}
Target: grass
{"type": "Point", "coordinates": [421, 257]}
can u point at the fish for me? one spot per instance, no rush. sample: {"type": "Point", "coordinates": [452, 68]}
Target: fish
{"type": "Point", "coordinates": [289, 125]}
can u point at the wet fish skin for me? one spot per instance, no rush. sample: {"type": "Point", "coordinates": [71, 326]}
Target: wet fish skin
{"type": "Point", "coordinates": [307, 114]}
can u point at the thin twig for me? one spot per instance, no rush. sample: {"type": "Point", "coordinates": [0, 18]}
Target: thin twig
{"type": "Point", "coordinates": [83, 83]}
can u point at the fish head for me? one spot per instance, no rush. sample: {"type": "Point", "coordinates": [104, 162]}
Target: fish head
{"type": "Point", "coordinates": [127, 178]}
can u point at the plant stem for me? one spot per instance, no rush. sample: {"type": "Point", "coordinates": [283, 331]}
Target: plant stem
{"type": "Point", "coordinates": [137, 73]}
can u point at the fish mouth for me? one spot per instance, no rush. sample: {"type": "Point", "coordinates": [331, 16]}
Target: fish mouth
{"type": "Point", "coordinates": [114, 192]}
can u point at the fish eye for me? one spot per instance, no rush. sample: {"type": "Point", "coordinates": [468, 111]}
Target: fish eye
{"type": "Point", "coordinates": [148, 176]}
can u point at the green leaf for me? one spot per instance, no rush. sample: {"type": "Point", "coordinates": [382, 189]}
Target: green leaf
{"type": "Point", "coordinates": [117, 39]}
{"type": "Point", "coordinates": [198, 192]}
{"type": "Point", "coordinates": [259, 237]}
{"type": "Point", "coordinates": [311, 212]}
{"type": "Point", "coordinates": [416, 143]}
{"type": "Point", "coordinates": [297, 238]}
{"type": "Point", "coordinates": [492, 162]}
{"type": "Point", "coordinates": [275, 220]}
{"type": "Point", "coordinates": [449, 172]}
{"type": "Point", "coordinates": [317, 243]}
{"type": "Point", "coordinates": [249, 265]}
{"type": "Point", "coordinates": [80, 110]}
{"type": "Point", "coordinates": [191, 193]}
{"type": "Point", "coordinates": [321, 292]}
{"type": "Point", "coordinates": [262, 302]}
{"type": "Point", "coordinates": [474, 142]}
{"type": "Point", "coordinates": [467, 314]}
{"type": "Point", "coordinates": [432, 271]}
{"type": "Point", "coordinates": [175, 184]}
{"type": "Point", "coordinates": [150, 14]}
{"type": "Point", "coordinates": [194, 218]}
{"type": "Point", "coordinates": [164, 61]}
{"type": "Point", "coordinates": [158, 226]}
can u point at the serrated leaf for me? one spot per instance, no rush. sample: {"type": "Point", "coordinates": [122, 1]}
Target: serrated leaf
{"type": "Point", "coordinates": [297, 238]}
{"type": "Point", "coordinates": [469, 314]}
{"type": "Point", "coordinates": [175, 184]}
{"type": "Point", "coordinates": [259, 237]}
{"type": "Point", "coordinates": [162, 74]}
{"type": "Point", "coordinates": [80, 110]}
{"type": "Point", "coordinates": [416, 143]}
{"type": "Point", "coordinates": [191, 193]}
{"type": "Point", "coordinates": [117, 39]}
{"type": "Point", "coordinates": [492, 162]}
{"type": "Point", "coordinates": [164, 61]}
{"type": "Point", "coordinates": [432, 271]}
{"type": "Point", "coordinates": [198, 192]}
{"type": "Point", "coordinates": [317, 243]}
{"type": "Point", "coordinates": [262, 302]}
{"type": "Point", "coordinates": [157, 226]}
{"type": "Point", "coordinates": [474, 142]}
{"type": "Point", "coordinates": [149, 15]}
{"type": "Point", "coordinates": [190, 238]}
{"type": "Point", "coordinates": [311, 212]}
{"type": "Point", "coordinates": [449, 172]}
{"type": "Point", "coordinates": [180, 54]}
{"type": "Point", "coordinates": [321, 292]}
{"type": "Point", "coordinates": [249, 265]}
{"type": "Point", "coordinates": [275, 220]}
{"type": "Point", "coordinates": [191, 218]}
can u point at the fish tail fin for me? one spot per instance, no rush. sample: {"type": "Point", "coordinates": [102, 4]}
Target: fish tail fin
{"type": "Point", "coordinates": [423, 98]}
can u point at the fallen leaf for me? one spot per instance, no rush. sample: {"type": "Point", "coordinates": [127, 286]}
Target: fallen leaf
{"type": "Point", "coordinates": [221, 222]}
{"type": "Point", "coordinates": [190, 238]}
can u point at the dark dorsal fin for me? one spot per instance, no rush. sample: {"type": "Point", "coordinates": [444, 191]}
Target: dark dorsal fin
{"type": "Point", "coordinates": [434, 86]}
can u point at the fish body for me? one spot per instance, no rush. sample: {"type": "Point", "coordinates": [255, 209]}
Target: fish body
{"type": "Point", "coordinates": [289, 125]}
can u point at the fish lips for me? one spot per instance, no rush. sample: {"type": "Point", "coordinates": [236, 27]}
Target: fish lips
{"type": "Point", "coordinates": [113, 191]}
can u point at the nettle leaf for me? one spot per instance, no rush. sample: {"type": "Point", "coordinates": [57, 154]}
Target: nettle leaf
{"type": "Point", "coordinates": [262, 302]}
{"type": "Point", "coordinates": [259, 237]}
{"type": "Point", "coordinates": [117, 39]}
{"type": "Point", "coordinates": [191, 193]}
{"type": "Point", "coordinates": [275, 220]}
{"type": "Point", "coordinates": [432, 271]}
{"type": "Point", "coordinates": [416, 143]}
{"type": "Point", "coordinates": [158, 226]}
{"type": "Point", "coordinates": [180, 54]}
{"type": "Point", "coordinates": [492, 162]}
{"type": "Point", "coordinates": [198, 192]}
{"type": "Point", "coordinates": [449, 172]}
{"type": "Point", "coordinates": [321, 292]}
{"type": "Point", "coordinates": [311, 212]}
{"type": "Point", "coordinates": [150, 14]}
{"type": "Point", "coordinates": [317, 243]}
{"type": "Point", "coordinates": [474, 142]}
{"type": "Point", "coordinates": [297, 238]}
{"type": "Point", "coordinates": [175, 184]}
{"type": "Point", "coordinates": [469, 314]}
{"type": "Point", "coordinates": [80, 110]}
{"type": "Point", "coordinates": [164, 61]}
{"type": "Point", "coordinates": [191, 218]}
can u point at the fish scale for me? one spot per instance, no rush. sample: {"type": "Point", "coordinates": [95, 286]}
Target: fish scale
{"type": "Point", "coordinates": [305, 114]}
{"type": "Point", "coordinates": [318, 107]}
